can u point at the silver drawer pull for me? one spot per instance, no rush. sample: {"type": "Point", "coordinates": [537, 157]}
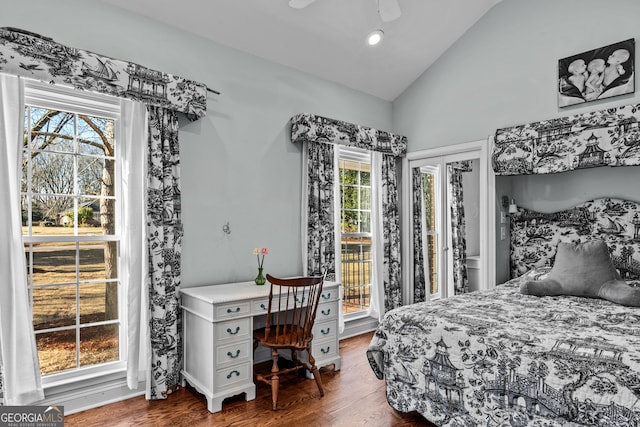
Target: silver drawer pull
{"type": "Point", "coordinates": [232, 355]}
{"type": "Point", "coordinates": [232, 332]}
{"type": "Point", "coordinates": [262, 306]}
{"type": "Point", "coordinates": [300, 302]}
{"type": "Point", "coordinates": [232, 373]}
{"type": "Point", "coordinates": [327, 296]}
{"type": "Point", "coordinates": [326, 313]}
{"type": "Point", "coordinates": [229, 311]}
{"type": "Point", "coordinates": [325, 350]}
{"type": "Point", "coordinates": [325, 331]}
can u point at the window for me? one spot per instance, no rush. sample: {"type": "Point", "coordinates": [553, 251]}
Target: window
{"type": "Point", "coordinates": [71, 214]}
{"type": "Point", "coordinates": [430, 216]}
{"type": "Point", "coordinates": [355, 229]}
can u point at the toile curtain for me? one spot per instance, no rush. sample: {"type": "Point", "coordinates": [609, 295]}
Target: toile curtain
{"type": "Point", "coordinates": [318, 210]}
{"type": "Point", "coordinates": [318, 188]}
{"type": "Point", "coordinates": [420, 264]}
{"type": "Point", "coordinates": [391, 278]}
{"type": "Point", "coordinates": [458, 236]}
{"type": "Point", "coordinates": [164, 244]}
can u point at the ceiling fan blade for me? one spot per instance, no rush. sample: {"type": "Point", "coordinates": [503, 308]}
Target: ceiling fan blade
{"type": "Point", "coordinates": [300, 4]}
{"type": "Point", "coordinates": [389, 10]}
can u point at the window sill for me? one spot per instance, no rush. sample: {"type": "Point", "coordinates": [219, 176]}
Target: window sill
{"type": "Point", "coordinates": [358, 325]}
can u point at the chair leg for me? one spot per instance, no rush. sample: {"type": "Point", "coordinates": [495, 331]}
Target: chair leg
{"type": "Point", "coordinates": [315, 372]}
{"type": "Point", "coordinates": [275, 380]}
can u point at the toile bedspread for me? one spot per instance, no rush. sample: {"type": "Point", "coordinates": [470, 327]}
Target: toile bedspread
{"type": "Point", "coordinates": [500, 358]}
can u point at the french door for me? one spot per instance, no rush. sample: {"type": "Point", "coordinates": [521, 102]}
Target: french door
{"type": "Point", "coordinates": [432, 249]}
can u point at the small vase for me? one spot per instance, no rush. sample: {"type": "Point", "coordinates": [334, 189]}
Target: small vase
{"type": "Point", "coordinates": [260, 280]}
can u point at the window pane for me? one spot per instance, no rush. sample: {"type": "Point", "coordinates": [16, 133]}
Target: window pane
{"type": "Point", "coordinates": [52, 130]}
{"type": "Point", "coordinates": [56, 351]}
{"type": "Point", "coordinates": [432, 257]}
{"type": "Point", "coordinates": [54, 307]}
{"type": "Point", "coordinates": [95, 136]}
{"type": "Point", "coordinates": [94, 298]}
{"type": "Point", "coordinates": [91, 257]}
{"type": "Point", "coordinates": [365, 178]}
{"type": "Point", "coordinates": [49, 214]}
{"type": "Point", "coordinates": [99, 344]}
{"type": "Point", "coordinates": [365, 222]}
{"type": "Point", "coordinates": [365, 198]}
{"type": "Point", "coordinates": [356, 273]}
{"type": "Point", "coordinates": [52, 173]}
{"type": "Point", "coordinates": [54, 262]}
{"type": "Point", "coordinates": [91, 175]}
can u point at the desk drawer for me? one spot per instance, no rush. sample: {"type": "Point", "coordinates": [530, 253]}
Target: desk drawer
{"type": "Point", "coordinates": [233, 330]}
{"type": "Point", "coordinates": [323, 349]}
{"type": "Point", "coordinates": [327, 311]}
{"type": "Point", "coordinates": [261, 306]}
{"type": "Point", "coordinates": [233, 353]}
{"type": "Point", "coordinates": [329, 295]}
{"type": "Point", "coordinates": [231, 310]}
{"type": "Point", "coordinates": [233, 376]}
{"type": "Point", "coordinates": [325, 330]}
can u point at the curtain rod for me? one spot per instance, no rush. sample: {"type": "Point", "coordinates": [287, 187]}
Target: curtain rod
{"type": "Point", "coordinates": [213, 91]}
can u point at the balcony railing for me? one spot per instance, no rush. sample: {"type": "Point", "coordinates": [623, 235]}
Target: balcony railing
{"type": "Point", "coordinates": [356, 272]}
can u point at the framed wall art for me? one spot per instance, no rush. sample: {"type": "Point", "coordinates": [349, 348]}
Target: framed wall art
{"type": "Point", "coordinates": [597, 74]}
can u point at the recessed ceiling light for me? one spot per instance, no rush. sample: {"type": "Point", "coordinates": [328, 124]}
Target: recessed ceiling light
{"type": "Point", "coordinates": [375, 37]}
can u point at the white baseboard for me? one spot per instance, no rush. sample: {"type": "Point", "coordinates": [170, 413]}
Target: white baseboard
{"type": "Point", "coordinates": [91, 395]}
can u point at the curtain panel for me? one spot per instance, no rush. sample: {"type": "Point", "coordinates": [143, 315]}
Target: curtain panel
{"type": "Point", "coordinates": [32, 56]}
{"type": "Point", "coordinates": [420, 268]}
{"type": "Point", "coordinates": [320, 224]}
{"type": "Point", "coordinates": [20, 382]}
{"type": "Point", "coordinates": [458, 225]}
{"type": "Point", "coordinates": [391, 232]}
{"type": "Point", "coordinates": [164, 244]}
{"type": "Point", "coordinates": [608, 137]}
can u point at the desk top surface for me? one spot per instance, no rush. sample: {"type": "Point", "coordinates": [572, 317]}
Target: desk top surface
{"type": "Point", "coordinates": [215, 294]}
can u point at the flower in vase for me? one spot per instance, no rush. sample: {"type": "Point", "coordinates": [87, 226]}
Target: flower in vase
{"type": "Point", "coordinates": [260, 253]}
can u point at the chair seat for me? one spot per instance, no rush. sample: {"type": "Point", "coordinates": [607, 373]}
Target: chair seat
{"type": "Point", "coordinates": [283, 340]}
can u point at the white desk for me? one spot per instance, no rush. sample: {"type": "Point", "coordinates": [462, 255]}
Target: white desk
{"type": "Point", "coordinates": [218, 323]}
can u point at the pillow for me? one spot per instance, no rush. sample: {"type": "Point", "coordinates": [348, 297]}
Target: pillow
{"type": "Point", "coordinates": [584, 270]}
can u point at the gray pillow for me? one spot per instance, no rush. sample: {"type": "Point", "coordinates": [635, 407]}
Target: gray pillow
{"type": "Point", "coordinates": [585, 270]}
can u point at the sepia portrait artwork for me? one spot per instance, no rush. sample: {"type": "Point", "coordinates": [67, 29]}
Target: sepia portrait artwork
{"type": "Point", "coordinates": [597, 74]}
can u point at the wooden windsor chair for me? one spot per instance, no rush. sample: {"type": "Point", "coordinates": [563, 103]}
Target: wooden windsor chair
{"type": "Point", "coordinates": [289, 325]}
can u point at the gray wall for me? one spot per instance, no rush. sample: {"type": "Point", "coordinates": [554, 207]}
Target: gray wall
{"type": "Point", "coordinates": [503, 72]}
{"type": "Point", "coordinates": [238, 163]}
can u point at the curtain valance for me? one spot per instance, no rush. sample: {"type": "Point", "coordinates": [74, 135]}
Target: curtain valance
{"type": "Point", "coordinates": [608, 137]}
{"type": "Point", "coordinates": [32, 56]}
{"type": "Point", "coordinates": [310, 127]}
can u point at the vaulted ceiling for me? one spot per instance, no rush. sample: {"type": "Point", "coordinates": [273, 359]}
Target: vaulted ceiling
{"type": "Point", "coordinates": [327, 38]}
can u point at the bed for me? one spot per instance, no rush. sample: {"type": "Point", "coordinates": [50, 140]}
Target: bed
{"type": "Point", "coordinates": [499, 357]}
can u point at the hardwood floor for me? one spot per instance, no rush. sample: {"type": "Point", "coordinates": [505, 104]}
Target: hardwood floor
{"type": "Point", "coordinates": [353, 397]}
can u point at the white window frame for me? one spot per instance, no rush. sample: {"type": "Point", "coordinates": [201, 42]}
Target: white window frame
{"type": "Point", "coordinates": [362, 156]}
{"type": "Point", "coordinates": [81, 102]}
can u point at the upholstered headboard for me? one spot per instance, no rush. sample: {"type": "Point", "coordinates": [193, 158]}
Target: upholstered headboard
{"type": "Point", "coordinates": [535, 235]}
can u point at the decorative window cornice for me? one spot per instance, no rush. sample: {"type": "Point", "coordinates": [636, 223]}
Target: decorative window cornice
{"type": "Point", "coordinates": [309, 127]}
{"type": "Point", "coordinates": [36, 57]}
{"type": "Point", "coordinates": [608, 137]}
